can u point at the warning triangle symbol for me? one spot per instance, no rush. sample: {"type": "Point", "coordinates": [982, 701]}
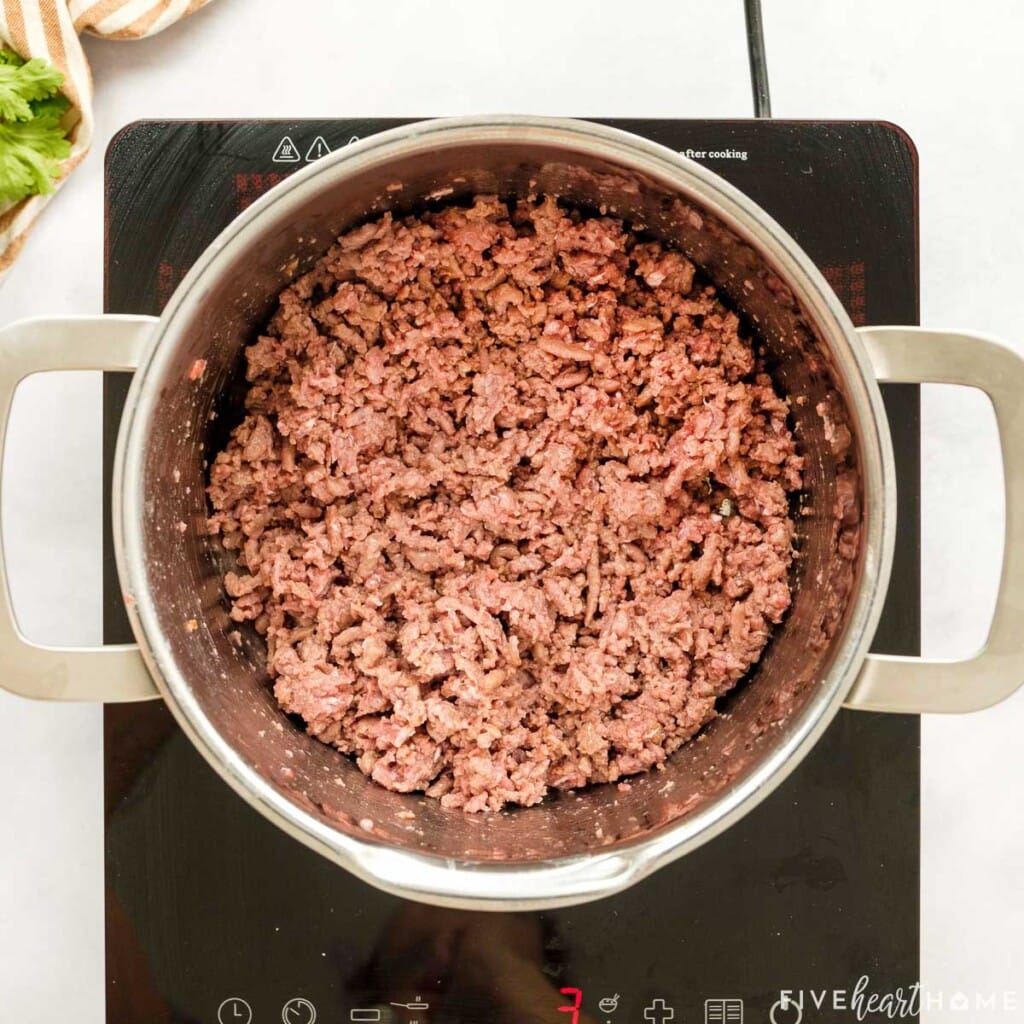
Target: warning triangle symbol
{"type": "Point", "coordinates": [287, 152]}
{"type": "Point", "coordinates": [318, 149]}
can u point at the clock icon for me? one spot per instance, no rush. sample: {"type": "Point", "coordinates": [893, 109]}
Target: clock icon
{"type": "Point", "coordinates": [298, 1011]}
{"type": "Point", "coordinates": [234, 1010]}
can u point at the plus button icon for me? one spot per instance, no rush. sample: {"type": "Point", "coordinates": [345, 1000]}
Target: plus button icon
{"type": "Point", "coordinates": [659, 1012]}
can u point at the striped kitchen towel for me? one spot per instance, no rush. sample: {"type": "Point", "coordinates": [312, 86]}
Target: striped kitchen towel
{"type": "Point", "coordinates": [50, 29]}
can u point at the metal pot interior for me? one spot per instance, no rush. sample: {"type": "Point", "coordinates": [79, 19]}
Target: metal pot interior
{"type": "Point", "coordinates": [797, 683]}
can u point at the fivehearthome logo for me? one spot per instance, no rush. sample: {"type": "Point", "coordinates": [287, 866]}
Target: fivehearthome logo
{"type": "Point", "coordinates": [863, 1002]}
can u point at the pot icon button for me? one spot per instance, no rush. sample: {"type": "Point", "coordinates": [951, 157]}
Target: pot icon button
{"type": "Point", "coordinates": [609, 1004]}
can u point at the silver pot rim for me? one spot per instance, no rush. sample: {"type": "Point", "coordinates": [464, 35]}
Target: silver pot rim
{"type": "Point", "coordinates": [567, 880]}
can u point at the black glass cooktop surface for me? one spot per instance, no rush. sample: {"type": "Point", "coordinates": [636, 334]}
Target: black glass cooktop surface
{"type": "Point", "coordinates": [216, 917]}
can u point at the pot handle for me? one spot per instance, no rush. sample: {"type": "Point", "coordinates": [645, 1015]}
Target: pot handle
{"type": "Point", "coordinates": [116, 672]}
{"type": "Point", "coordinates": [914, 685]}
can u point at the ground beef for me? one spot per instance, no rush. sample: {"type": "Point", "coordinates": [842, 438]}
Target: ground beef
{"type": "Point", "coordinates": [510, 501]}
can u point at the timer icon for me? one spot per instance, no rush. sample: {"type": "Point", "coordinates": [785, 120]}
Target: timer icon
{"type": "Point", "coordinates": [298, 1011]}
{"type": "Point", "coordinates": [234, 1011]}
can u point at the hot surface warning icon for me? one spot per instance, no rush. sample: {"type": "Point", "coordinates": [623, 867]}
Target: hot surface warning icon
{"type": "Point", "coordinates": [287, 152]}
{"type": "Point", "coordinates": [318, 149]}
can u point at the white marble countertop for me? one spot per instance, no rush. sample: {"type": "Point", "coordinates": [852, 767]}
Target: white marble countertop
{"type": "Point", "coordinates": [950, 75]}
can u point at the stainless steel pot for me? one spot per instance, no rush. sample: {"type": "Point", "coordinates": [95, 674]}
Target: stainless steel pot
{"type": "Point", "coordinates": [575, 847]}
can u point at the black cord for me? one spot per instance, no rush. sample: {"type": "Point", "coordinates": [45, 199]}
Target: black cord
{"type": "Point", "coordinates": [758, 63]}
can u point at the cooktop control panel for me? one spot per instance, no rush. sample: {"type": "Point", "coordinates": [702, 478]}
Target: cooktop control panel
{"type": "Point", "coordinates": [573, 1006]}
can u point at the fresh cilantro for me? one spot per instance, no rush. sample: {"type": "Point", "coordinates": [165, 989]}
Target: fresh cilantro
{"type": "Point", "coordinates": [32, 138]}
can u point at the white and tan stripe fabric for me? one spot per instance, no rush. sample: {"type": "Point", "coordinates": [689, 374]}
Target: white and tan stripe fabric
{"type": "Point", "coordinates": [50, 29]}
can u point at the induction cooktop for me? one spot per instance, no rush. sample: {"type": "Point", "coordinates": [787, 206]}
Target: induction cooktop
{"type": "Point", "coordinates": [214, 916]}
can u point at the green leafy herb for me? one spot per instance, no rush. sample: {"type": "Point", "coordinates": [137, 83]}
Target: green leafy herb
{"type": "Point", "coordinates": [32, 138]}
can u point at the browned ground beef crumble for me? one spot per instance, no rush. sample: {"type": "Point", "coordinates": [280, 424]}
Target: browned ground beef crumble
{"type": "Point", "coordinates": [511, 500]}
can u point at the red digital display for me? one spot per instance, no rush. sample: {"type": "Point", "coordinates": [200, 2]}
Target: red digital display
{"type": "Point", "coordinates": [573, 1008]}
